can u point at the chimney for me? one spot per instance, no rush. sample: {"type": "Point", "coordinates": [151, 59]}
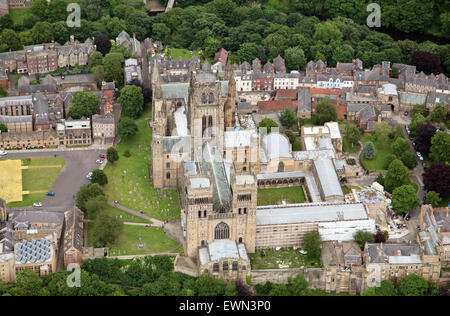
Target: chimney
{"type": "Point", "coordinates": [72, 38]}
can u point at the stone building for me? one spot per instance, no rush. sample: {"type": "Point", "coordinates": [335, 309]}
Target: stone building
{"type": "Point", "coordinates": [74, 53]}
{"type": "Point", "coordinates": [17, 124]}
{"type": "Point", "coordinates": [74, 132]}
{"type": "Point", "coordinates": [103, 127]}
{"type": "Point", "coordinates": [16, 105]}
{"type": "Point", "coordinates": [33, 139]}
{"type": "Point", "coordinates": [73, 237]}
{"type": "Point", "coordinates": [38, 255]}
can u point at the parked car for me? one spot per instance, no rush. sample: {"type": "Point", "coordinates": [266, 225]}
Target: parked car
{"type": "Point", "coordinates": [407, 217]}
{"type": "Point", "coordinates": [406, 113]}
{"type": "Point", "coordinates": [102, 156]}
{"type": "Point", "coordinates": [37, 204]}
{"type": "Point", "coordinates": [89, 176]}
{"type": "Point", "coordinates": [50, 193]}
{"type": "Point", "coordinates": [99, 161]}
{"type": "Point", "coordinates": [3, 153]}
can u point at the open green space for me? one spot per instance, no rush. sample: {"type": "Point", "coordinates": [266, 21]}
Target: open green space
{"type": "Point", "coordinates": [281, 259]}
{"type": "Point", "coordinates": [124, 216]}
{"type": "Point", "coordinates": [39, 176]}
{"type": "Point", "coordinates": [129, 177]}
{"type": "Point", "coordinates": [348, 148]}
{"type": "Point", "coordinates": [271, 196]}
{"type": "Point", "coordinates": [382, 152]}
{"type": "Point", "coordinates": [20, 15]}
{"type": "Point", "coordinates": [153, 239]}
{"type": "Point", "coordinates": [176, 53]}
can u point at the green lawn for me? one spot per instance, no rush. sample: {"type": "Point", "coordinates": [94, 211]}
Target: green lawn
{"type": "Point", "coordinates": [153, 238]}
{"type": "Point", "coordinates": [129, 178]}
{"type": "Point", "coordinates": [381, 153]}
{"type": "Point", "coordinates": [19, 15]}
{"type": "Point", "coordinates": [175, 53]}
{"type": "Point", "coordinates": [281, 259]}
{"type": "Point", "coordinates": [273, 195]}
{"type": "Point", "coordinates": [40, 178]}
{"type": "Point", "coordinates": [126, 217]}
{"type": "Point", "coordinates": [348, 148]}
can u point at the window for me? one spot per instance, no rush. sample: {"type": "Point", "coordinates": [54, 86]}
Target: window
{"type": "Point", "coordinates": [245, 210]}
{"type": "Point", "coordinates": [199, 214]}
{"type": "Point", "coordinates": [225, 266]}
{"type": "Point", "coordinates": [168, 175]}
{"type": "Point", "coordinates": [240, 240]}
{"type": "Point", "coordinates": [216, 267]}
{"type": "Point", "coordinates": [211, 98]}
{"type": "Point", "coordinates": [204, 213]}
{"type": "Point", "coordinates": [235, 266]}
{"type": "Point", "coordinates": [168, 165]}
{"type": "Point", "coordinates": [203, 98]}
{"type": "Point", "coordinates": [222, 231]}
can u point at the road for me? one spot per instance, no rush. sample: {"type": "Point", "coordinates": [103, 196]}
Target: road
{"type": "Point", "coordinates": [71, 178]}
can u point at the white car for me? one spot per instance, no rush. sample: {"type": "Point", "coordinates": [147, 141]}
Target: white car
{"type": "Point", "coordinates": [3, 153]}
{"type": "Point", "coordinates": [99, 161]}
{"type": "Point", "coordinates": [38, 204]}
{"type": "Point", "coordinates": [89, 176]}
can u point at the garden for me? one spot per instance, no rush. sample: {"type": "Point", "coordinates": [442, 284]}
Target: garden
{"type": "Point", "coordinates": [272, 196]}
{"type": "Point", "coordinates": [282, 258]}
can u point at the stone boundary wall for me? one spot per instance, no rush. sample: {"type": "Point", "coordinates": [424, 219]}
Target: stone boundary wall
{"type": "Point", "coordinates": [314, 276]}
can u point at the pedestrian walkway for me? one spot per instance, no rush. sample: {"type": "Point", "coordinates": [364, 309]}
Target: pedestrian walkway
{"type": "Point", "coordinates": [155, 222]}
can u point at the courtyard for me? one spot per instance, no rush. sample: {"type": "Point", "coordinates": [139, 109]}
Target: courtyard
{"type": "Point", "coordinates": [272, 196]}
{"type": "Point", "coordinates": [283, 258]}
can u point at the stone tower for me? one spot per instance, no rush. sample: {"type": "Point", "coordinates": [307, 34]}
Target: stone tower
{"type": "Point", "coordinates": [230, 103]}
{"type": "Point", "coordinates": [206, 111]}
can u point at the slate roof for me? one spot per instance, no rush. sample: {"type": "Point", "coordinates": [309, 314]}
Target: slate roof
{"type": "Point", "coordinates": [73, 232]}
{"type": "Point", "coordinates": [304, 99]}
{"type": "Point", "coordinates": [393, 253]}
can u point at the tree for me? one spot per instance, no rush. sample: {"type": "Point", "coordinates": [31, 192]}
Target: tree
{"type": "Point", "coordinates": [439, 114]}
{"type": "Point", "coordinates": [382, 131]}
{"type": "Point", "coordinates": [106, 229]}
{"type": "Point", "coordinates": [353, 134]}
{"type": "Point", "coordinates": [39, 8]}
{"type": "Point", "coordinates": [212, 45]}
{"type": "Point", "coordinates": [387, 161]}
{"type": "Point", "coordinates": [113, 59]}
{"type": "Point", "coordinates": [102, 44]}
{"type": "Point", "coordinates": [112, 155]}
{"type": "Point", "coordinates": [127, 127]}
{"type": "Point", "coordinates": [42, 32]}
{"type": "Point", "coordinates": [86, 193]}
{"type": "Point", "coordinates": [99, 176]}
{"type": "Point", "coordinates": [417, 120]}
{"type": "Point", "coordinates": [437, 178]}
{"type": "Point", "coordinates": [288, 118]}
{"type": "Point", "coordinates": [427, 62]}
{"type": "Point", "coordinates": [433, 198]}
{"type": "Point", "coordinates": [160, 32]}
{"type": "Point", "coordinates": [409, 160]}
{"type": "Point", "coordinates": [267, 123]}
{"type": "Point", "coordinates": [28, 283]}
{"type": "Point", "coordinates": [413, 285]}
{"type": "Point", "coordinates": [380, 179]}
{"type": "Point", "coordinates": [94, 205]}
{"type": "Point", "coordinates": [327, 32]}
{"type": "Point", "coordinates": [115, 73]}
{"type": "Point", "coordinates": [404, 199]}
{"type": "Point", "coordinates": [247, 52]}
{"type": "Point", "coordinates": [57, 10]}
{"type": "Point", "coordinates": [361, 237]}
{"type": "Point", "coordinates": [395, 72]}
{"type": "Point", "coordinates": [420, 108]}
{"type": "Point", "coordinates": [3, 128]}
{"type": "Point", "coordinates": [207, 286]}
{"type": "Point", "coordinates": [396, 176]}
{"type": "Point", "coordinates": [369, 151]}
{"type": "Point", "coordinates": [425, 133]}
{"type": "Point", "coordinates": [84, 104]}
{"type": "Point", "coordinates": [312, 243]}
{"type": "Point", "coordinates": [379, 237]}
{"type": "Point", "coordinates": [440, 147]}
{"type": "Point", "coordinates": [386, 288]}
{"type": "Point", "coordinates": [98, 72]}
{"type": "Point", "coordinates": [11, 39]}
{"type": "Point", "coordinates": [325, 112]}
{"type": "Point", "coordinates": [132, 101]}
{"type": "Point", "coordinates": [399, 146]}
{"type": "Point", "coordinates": [295, 58]}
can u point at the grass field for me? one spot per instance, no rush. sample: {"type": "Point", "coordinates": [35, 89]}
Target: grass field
{"type": "Point", "coordinates": [126, 217]}
{"type": "Point", "coordinates": [37, 176]}
{"type": "Point", "coordinates": [153, 238]}
{"type": "Point", "coordinates": [381, 153]}
{"type": "Point", "coordinates": [283, 258]}
{"type": "Point", "coordinates": [347, 147]}
{"type": "Point", "coordinates": [11, 180]}
{"type": "Point", "coordinates": [175, 53]}
{"type": "Point", "coordinates": [19, 15]}
{"type": "Point", "coordinates": [273, 195]}
{"type": "Point", "coordinates": [129, 178]}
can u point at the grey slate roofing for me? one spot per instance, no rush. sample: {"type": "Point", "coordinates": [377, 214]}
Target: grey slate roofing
{"type": "Point", "coordinates": [176, 143]}
{"type": "Point", "coordinates": [108, 118]}
{"type": "Point", "coordinates": [176, 91]}
{"type": "Point", "coordinates": [16, 119]}
{"type": "Point", "coordinates": [438, 98]}
{"type": "Point", "coordinates": [222, 249]}
{"type": "Point", "coordinates": [365, 111]}
{"type": "Point", "coordinates": [73, 231]}
{"type": "Point", "coordinates": [40, 103]}
{"type": "Point", "coordinates": [328, 178]}
{"type": "Point", "coordinates": [37, 216]}
{"type": "Point", "coordinates": [304, 100]}
{"type": "Point", "coordinates": [190, 167]}
{"type": "Point", "coordinates": [411, 98]}
{"type": "Point", "coordinates": [309, 213]}
{"type": "Point", "coordinates": [393, 253]}
{"type": "Point", "coordinates": [212, 162]}
{"type": "Point", "coordinates": [36, 250]}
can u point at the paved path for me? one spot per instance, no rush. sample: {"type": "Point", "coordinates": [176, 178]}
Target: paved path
{"type": "Point", "coordinates": [144, 255]}
{"type": "Point", "coordinates": [155, 222]}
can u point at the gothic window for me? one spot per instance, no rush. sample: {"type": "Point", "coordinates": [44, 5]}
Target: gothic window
{"type": "Point", "coordinates": [281, 167]}
{"type": "Point", "coordinates": [225, 266]}
{"type": "Point", "coordinates": [240, 240]}
{"type": "Point", "coordinates": [168, 175]}
{"type": "Point", "coordinates": [222, 231]}
{"type": "Point", "coordinates": [203, 243]}
{"type": "Point", "coordinates": [216, 267]}
{"type": "Point", "coordinates": [203, 125]}
{"type": "Point", "coordinates": [235, 266]}
{"type": "Point", "coordinates": [211, 98]}
{"type": "Point", "coordinates": [199, 214]}
{"type": "Point", "coordinates": [204, 213]}
{"type": "Point", "coordinates": [203, 98]}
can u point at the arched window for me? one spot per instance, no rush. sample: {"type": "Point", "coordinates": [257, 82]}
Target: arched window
{"type": "Point", "coordinates": [216, 267]}
{"type": "Point", "coordinates": [225, 266]}
{"type": "Point", "coordinates": [211, 98]}
{"type": "Point", "coordinates": [203, 243]}
{"type": "Point", "coordinates": [203, 97]}
{"type": "Point", "coordinates": [240, 240]}
{"type": "Point", "coordinates": [222, 231]}
{"type": "Point", "coordinates": [235, 266]}
{"type": "Point", "coordinates": [168, 175]}
{"type": "Point", "coordinates": [281, 167]}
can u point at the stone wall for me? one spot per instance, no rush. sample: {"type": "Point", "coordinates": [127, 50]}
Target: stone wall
{"type": "Point", "coordinates": [315, 277]}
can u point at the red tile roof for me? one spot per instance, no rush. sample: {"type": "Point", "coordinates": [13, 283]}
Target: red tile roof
{"type": "Point", "coordinates": [276, 105]}
{"type": "Point", "coordinates": [287, 94]}
{"type": "Point", "coordinates": [325, 91]}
